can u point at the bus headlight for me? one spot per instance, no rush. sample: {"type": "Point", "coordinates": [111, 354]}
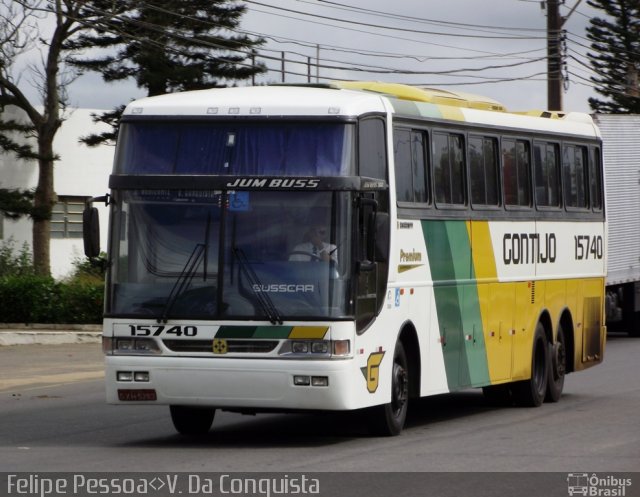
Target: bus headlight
{"type": "Point", "coordinates": [316, 349]}
{"type": "Point", "coordinates": [130, 346]}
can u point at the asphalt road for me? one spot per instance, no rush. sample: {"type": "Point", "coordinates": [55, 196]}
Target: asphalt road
{"type": "Point", "coordinates": [53, 418]}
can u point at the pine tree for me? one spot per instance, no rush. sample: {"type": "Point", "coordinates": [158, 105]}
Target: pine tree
{"type": "Point", "coordinates": [166, 46]}
{"type": "Point", "coordinates": [615, 41]}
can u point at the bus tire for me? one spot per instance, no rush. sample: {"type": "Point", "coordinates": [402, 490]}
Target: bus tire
{"type": "Point", "coordinates": [557, 367]}
{"type": "Point", "coordinates": [531, 392]}
{"type": "Point", "coordinates": [190, 420]}
{"type": "Point", "coordinates": [389, 419]}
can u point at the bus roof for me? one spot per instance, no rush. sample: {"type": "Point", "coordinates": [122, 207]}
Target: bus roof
{"type": "Point", "coordinates": [355, 98]}
{"type": "Point", "coordinates": [260, 101]}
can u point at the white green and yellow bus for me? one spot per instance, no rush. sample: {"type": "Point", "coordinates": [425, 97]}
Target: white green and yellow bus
{"type": "Point", "coordinates": [348, 246]}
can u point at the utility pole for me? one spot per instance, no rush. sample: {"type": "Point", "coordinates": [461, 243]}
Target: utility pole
{"type": "Point", "coordinates": [555, 79]}
{"type": "Point", "coordinates": [554, 57]}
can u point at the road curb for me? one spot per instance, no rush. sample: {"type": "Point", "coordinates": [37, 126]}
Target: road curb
{"type": "Point", "coordinates": [48, 334]}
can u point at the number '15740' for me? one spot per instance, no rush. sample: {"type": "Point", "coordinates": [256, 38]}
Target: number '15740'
{"type": "Point", "coordinates": [148, 330]}
{"type": "Point", "coordinates": [588, 247]}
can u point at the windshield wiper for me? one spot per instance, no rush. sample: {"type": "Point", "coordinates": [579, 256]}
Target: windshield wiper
{"type": "Point", "coordinates": [184, 280]}
{"type": "Point", "coordinates": [200, 251]}
{"type": "Point", "coordinates": [263, 298]}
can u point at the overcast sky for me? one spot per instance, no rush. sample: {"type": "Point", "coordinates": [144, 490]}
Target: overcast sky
{"type": "Point", "coordinates": [474, 34]}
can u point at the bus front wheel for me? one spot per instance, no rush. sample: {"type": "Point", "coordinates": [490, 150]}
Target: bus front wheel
{"type": "Point", "coordinates": [189, 420]}
{"type": "Point", "coordinates": [388, 419]}
{"type": "Point", "coordinates": [531, 392]}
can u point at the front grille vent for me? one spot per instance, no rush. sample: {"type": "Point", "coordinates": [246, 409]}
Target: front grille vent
{"type": "Point", "coordinates": [233, 346]}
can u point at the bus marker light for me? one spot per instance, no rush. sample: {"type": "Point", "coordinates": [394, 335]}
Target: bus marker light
{"type": "Point", "coordinates": [342, 347]}
{"type": "Point", "coordinates": [301, 381]}
{"type": "Point", "coordinates": [124, 376]}
{"type": "Point", "coordinates": [319, 381]}
{"type": "Point", "coordinates": [141, 376]}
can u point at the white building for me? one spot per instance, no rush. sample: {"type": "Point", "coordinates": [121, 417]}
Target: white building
{"type": "Point", "coordinates": [80, 173]}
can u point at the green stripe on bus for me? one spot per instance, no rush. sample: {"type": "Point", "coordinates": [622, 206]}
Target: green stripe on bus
{"type": "Point", "coordinates": [456, 295]}
{"type": "Point", "coordinates": [275, 332]}
{"type": "Point", "coordinates": [236, 332]}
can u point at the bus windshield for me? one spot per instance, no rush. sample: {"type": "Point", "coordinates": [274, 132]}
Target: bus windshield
{"type": "Point", "coordinates": [236, 148]}
{"type": "Point", "coordinates": [211, 254]}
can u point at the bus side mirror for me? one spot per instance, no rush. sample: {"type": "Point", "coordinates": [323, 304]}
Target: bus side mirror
{"type": "Point", "coordinates": [91, 226]}
{"type": "Point", "coordinates": [91, 231]}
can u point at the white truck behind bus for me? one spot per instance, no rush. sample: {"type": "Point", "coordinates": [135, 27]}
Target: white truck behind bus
{"type": "Point", "coordinates": [621, 147]}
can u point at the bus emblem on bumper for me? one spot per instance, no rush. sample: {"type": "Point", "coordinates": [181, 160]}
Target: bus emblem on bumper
{"type": "Point", "coordinates": [220, 346]}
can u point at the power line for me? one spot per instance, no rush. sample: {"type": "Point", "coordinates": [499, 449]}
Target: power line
{"type": "Point", "coordinates": [415, 19]}
{"type": "Point", "coordinates": [380, 26]}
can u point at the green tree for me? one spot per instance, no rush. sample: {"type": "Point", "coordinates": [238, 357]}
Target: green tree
{"type": "Point", "coordinates": [44, 26]}
{"type": "Point", "coordinates": [615, 56]}
{"type": "Point", "coordinates": [166, 46]}
{"type": "Point", "coordinates": [15, 203]}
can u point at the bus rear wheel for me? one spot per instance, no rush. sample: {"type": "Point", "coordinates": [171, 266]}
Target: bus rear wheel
{"type": "Point", "coordinates": [531, 392]}
{"type": "Point", "coordinates": [389, 419]}
{"type": "Point", "coordinates": [190, 420]}
{"type": "Point", "coordinates": [557, 367]}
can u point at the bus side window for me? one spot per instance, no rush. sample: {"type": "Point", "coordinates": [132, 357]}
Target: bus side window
{"type": "Point", "coordinates": [448, 168]}
{"type": "Point", "coordinates": [595, 179]}
{"type": "Point", "coordinates": [483, 162]}
{"type": "Point", "coordinates": [516, 172]}
{"type": "Point", "coordinates": [574, 165]}
{"type": "Point", "coordinates": [418, 161]}
{"type": "Point", "coordinates": [546, 158]}
{"type": "Point", "coordinates": [372, 149]}
{"type": "Point", "coordinates": [410, 165]}
{"type": "Point", "coordinates": [402, 159]}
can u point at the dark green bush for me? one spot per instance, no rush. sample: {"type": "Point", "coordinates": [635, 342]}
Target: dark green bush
{"type": "Point", "coordinates": [38, 299]}
{"type": "Point", "coordinates": [82, 302]}
{"type": "Point", "coordinates": [12, 263]}
{"type": "Point", "coordinates": [28, 298]}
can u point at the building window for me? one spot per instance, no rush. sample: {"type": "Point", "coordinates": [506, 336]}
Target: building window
{"type": "Point", "coordinates": [66, 217]}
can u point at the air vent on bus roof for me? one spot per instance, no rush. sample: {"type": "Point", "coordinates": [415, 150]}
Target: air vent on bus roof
{"type": "Point", "coordinates": [423, 94]}
{"type": "Point", "coordinates": [549, 114]}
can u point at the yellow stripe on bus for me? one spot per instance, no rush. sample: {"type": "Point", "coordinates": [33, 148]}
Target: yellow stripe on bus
{"type": "Point", "coordinates": [317, 332]}
{"type": "Point", "coordinates": [496, 303]}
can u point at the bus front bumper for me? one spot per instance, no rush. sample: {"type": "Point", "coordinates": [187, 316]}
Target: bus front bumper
{"type": "Point", "coordinates": [235, 383]}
